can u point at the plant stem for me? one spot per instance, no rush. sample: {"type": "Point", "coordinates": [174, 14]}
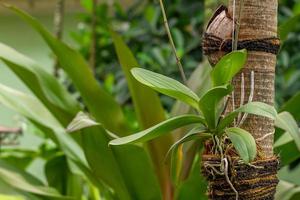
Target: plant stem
{"type": "Point", "coordinates": [93, 48]}
{"type": "Point", "coordinates": [180, 67]}
{"type": "Point", "coordinates": [58, 27]}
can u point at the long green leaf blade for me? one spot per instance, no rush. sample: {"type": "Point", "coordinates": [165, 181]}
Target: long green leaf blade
{"type": "Point", "coordinates": [102, 106]}
{"type": "Point", "coordinates": [243, 142]}
{"type": "Point", "coordinates": [45, 86]}
{"type": "Point", "coordinates": [166, 85]}
{"type": "Point", "coordinates": [255, 108]}
{"type": "Point", "coordinates": [158, 130]}
{"type": "Point", "coordinates": [33, 109]}
{"type": "Point", "coordinates": [148, 114]}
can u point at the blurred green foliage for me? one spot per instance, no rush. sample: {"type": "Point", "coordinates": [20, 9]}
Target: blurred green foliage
{"type": "Point", "coordinates": [288, 66]}
{"type": "Point", "coordinates": [141, 25]}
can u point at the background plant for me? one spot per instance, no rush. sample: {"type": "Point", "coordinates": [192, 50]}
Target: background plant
{"type": "Point", "coordinates": [81, 180]}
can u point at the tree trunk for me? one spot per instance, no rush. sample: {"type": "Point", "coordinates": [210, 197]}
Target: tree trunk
{"type": "Point", "coordinates": [258, 22]}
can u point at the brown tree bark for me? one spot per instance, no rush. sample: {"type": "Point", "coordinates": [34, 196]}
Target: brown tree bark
{"type": "Point", "coordinates": [258, 181]}
{"type": "Point", "coordinates": [258, 21]}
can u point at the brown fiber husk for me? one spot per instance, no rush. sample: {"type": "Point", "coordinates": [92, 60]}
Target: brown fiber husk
{"type": "Point", "coordinates": [252, 183]}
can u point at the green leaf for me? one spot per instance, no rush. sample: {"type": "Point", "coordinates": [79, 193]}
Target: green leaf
{"type": "Point", "coordinates": [228, 67]}
{"type": "Point", "coordinates": [45, 86]}
{"type": "Point", "coordinates": [292, 106]}
{"type": "Point", "coordinates": [25, 182]}
{"type": "Point", "coordinates": [56, 171]}
{"type": "Point", "coordinates": [286, 122]}
{"type": "Point", "coordinates": [243, 142]}
{"type": "Point", "coordinates": [81, 121]}
{"type": "Point", "coordinates": [287, 152]}
{"type": "Point", "coordinates": [148, 114]}
{"type": "Point", "coordinates": [176, 150]}
{"type": "Point", "coordinates": [210, 103]}
{"type": "Point", "coordinates": [199, 82]}
{"type": "Point", "coordinates": [11, 197]}
{"type": "Point", "coordinates": [158, 130]}
{"type": "Point", "coordinates": [102, 161]}
{"type": "Point", "coordinates": [287, 191]}
{"type": "Point", "coordinates": [101, 105]}
{"type": "Point", "coordinates": [35, 111]}
{"type": "Point", "coordinates": [255, 108]}
{"type": "Point", "coordinates": [166, 85]}
{"type": "Point", "coordinates": [27, 106]}
{"type": "Point", "coordinates": [288, 27]}
{"type": "Point", "coordinates": [92, 138]}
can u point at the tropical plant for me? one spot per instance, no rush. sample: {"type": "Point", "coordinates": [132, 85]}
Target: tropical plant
{"type": "Point", "coordinates": [79, 162]}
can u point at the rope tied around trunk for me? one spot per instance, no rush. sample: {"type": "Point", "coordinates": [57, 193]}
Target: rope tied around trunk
{"type": "Point", "coordinates": [255, 181]}
{"type": "Point", "coordinates": [212, 44]}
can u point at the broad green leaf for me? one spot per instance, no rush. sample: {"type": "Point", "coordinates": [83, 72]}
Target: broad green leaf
{"type": "Point", "coordinates": [292, 106]}
{"type": "Point", "coordinates": [255, 108]}
{"type": "Point", "coordinates": [102, 106]}
{"type": "Point", "coordinates": [148, 114]}
{"type": "Point", "coordinates": [176, 150]}
{"type": "Point", "coordinates": [286, 122]}
{"type": "Point", "coordinates": [243, 142]}
{"type": "Point", "coordinates": [166, 85]}
{"type": "Point", "coordinates": [288, 27]}
{"type": "Point", "coordinates": [209, 104]}
{"type": "Point", "coordinates": [25, 182]}
{"type": "Point", "coordinates": [81, 121]}
{"type": "Point", "coordinates": [159, 129]}
{"type": "Point", "coordinates": [228, 67]}
{"type": "Point", "coordinates": [45, 86]}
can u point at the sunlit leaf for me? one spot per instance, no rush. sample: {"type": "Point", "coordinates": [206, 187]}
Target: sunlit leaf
{"type": "Point", "coordinates": [166, 85]}
{"type": "Point", "coordinates": [159, 129]}
{"type": "Point", "coordinates": [243, 142]}
{"type": "Point", "coordinates": [228, 67]}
